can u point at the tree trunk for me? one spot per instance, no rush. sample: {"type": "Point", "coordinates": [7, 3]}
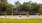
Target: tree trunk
{"type": "Point", "coordinates": [20, 15]}
{"type": "Point", "coordinates": [28, 14]}
{"type": "Point", "coordinates": [5, 14]}
{"type": "Point", "coordinates": [13, 13]}
{"type": "Point", "coordinates": [39, 14]}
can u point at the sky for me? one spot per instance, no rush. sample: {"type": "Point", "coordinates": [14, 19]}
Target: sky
{"type": "Point", "coordinates": [21, 1]}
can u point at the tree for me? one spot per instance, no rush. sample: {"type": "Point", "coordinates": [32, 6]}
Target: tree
{"type": "Point", "coordinates": [11, 8]}
{"type": "Point", "coordinates": [24, 7]}
{"type": "Point", "coordinates": [17, 3]}
{"type": "Point", "coordinates": [36, 8]}
{"type": "Point", "coordinates": [3, 6]}
{"type": "Point", "coordinates": [40, 9]}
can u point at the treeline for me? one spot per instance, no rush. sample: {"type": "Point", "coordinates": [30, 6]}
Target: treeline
{"type": "Point", "coordinates": [5, 7]}
{"type": "Point", "coordinates": [30, 7]}
{"type": "Point", "coordinates": [25, 7]}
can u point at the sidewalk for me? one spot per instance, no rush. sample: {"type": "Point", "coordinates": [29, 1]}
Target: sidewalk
{"type": "Point", "coordinates": [31, 16]}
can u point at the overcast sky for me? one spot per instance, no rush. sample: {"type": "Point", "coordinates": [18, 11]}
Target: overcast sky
{"type": "Point", "coordinates": [21, 1]}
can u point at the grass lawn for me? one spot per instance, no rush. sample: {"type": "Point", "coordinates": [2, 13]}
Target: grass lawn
{"type": "Point", "coordinates": [4, 20]}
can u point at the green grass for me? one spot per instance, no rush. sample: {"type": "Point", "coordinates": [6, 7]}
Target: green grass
{"type": "Point", "coordinates": [3, 20]}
